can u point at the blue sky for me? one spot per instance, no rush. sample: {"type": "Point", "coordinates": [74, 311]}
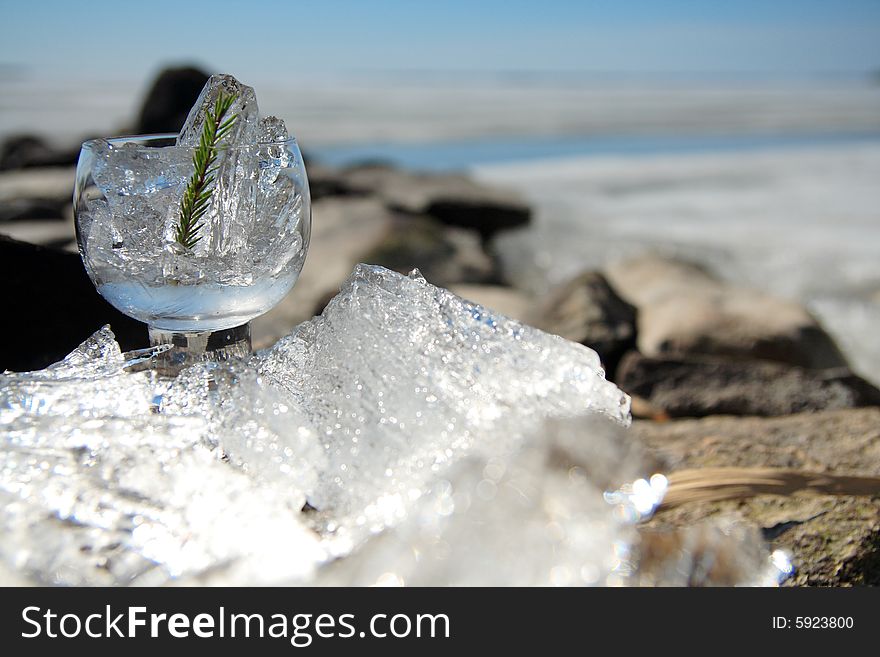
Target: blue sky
{"type": "Point", "coordinates": [258, 40]}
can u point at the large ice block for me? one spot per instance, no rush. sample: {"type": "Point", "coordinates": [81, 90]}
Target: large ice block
{"type": "Point", "coordinates": [479, 443]}
{"type": "Point", "coordinates": [81, 386]}
{"type": "Point", "coordinates": [401, 378]}
{"type": "Point", "coordinates": [253, 424]}
{"type": "Point", "coordinates": [534, 517]}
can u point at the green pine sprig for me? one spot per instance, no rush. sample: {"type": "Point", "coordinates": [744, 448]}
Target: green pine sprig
{"type": "Point", "coordinates": [197, 196]}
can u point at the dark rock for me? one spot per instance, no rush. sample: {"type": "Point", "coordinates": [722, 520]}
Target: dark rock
{"type": "Point", "coordinates": [587, 310]}
{"type": "Point", "coordinates": [684, 311]}
{"type": "Point", "coordinates": [326, 182]}
{"type": "Point", "coordinates": [170, 99]}
{"type": "Point", "coordinates": [453, 199]}
{"type": "Point", "coordinates": [25, 151]}
{"type": "Point", "coordinates": [443, 254]}
{"type": "Point", "coordinates": [52, 232]}
{"type": "Point", "coordinates": [698, 387]}
{"type": "Point", "coordinates": [833, 541]}
{"type": "Point", "coordinates": [51, 306]}
{"type": "Point", "coordinates": [23, 209]}
{"type": "Point", "coordinates": [485, 215]}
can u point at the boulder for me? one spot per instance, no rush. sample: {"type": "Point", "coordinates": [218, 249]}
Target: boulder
{"type": "Point", "coordinates": [587, 310]}
{"type": "Point", "coordinates": [453, 199]}
{"type": "Point", "coordinates": [832, 540]}
{"type": "Point", "coordinates": [327, 181]}
{"type": "Point", "coordinates": [26, 151]}
{"type": "Point", "coordinates": [27, 209]}
{"type": "Point", "coordinates": [684, 311]}
{"type": "Point", "coordinates": [445, 255]}
{"type": "Point", "coordinates": [51, 306]}
{"type": "Point", "coordinates": [696, 387]}
{"type": "Point", "coordinates": [169, 100]}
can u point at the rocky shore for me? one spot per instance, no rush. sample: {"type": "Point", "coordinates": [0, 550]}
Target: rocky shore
{"type": "Point", "coordinates": [720, 375]}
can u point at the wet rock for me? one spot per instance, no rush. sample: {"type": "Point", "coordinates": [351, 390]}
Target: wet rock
{"type": "Point", "coordinates": [834, 541]}
{"type": "Point", "coordinates": [696, 387]}
{"type": "Point", "coordinates": [685, 311]}
{"type": "Point", "coordinates": [170, 99]}
{"type": "Point", "coordinates": [51, 306]}
{"type": "Point", "coordinates": [453, 199]}
{"type": "Point", "coordinates": [587, 310]}
{"type": "Point", "coordinates": [26, 151]}
{"type": "Point", "coordinates": [445, 255]}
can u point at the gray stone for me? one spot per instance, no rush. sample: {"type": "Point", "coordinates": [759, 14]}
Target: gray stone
{"type": "Point", "coordinates": [683, 310]}
{"type": "Point", "coordinates": [169, 100]}
{"type": "Point", "coordinates": [453, 199]}
{"type": "Point", "coordinates": [28, 209]}
{"type": "Point", "coordinates": [445, 255]}
{"type": "Point", "coordinates": [587, 310]}
{"type": "Point", "coordinates": [697, 387]}
{"type": "Point", "coordinates": [327, 181]}
{"type": "Point", "coordinates": [26, 151]}
{"type": "Point", "coordinates": [55, 233]}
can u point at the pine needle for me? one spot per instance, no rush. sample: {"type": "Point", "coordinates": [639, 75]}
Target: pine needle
{"type": "Point", "coordinates": [717, 484]}
{"type": "Point", "coordinates": [197, 197]}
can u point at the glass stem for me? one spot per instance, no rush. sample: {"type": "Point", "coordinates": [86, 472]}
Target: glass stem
{"type": "Point", "coordinates": [188, 348]}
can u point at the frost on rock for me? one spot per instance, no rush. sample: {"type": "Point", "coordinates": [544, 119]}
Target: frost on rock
{"type": "Point", "coordinates": [404, 421]}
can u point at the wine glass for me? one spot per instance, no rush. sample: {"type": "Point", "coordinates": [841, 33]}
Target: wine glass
{"type": "Point", "coordinates": [243, 256]}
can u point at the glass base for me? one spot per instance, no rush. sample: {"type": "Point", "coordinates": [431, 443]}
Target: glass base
{"type": "Point", "coordinates": [188, 348]}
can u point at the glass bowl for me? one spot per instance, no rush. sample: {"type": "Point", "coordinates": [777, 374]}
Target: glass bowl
{"type": "Point", "coordinates": [251, 245]}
